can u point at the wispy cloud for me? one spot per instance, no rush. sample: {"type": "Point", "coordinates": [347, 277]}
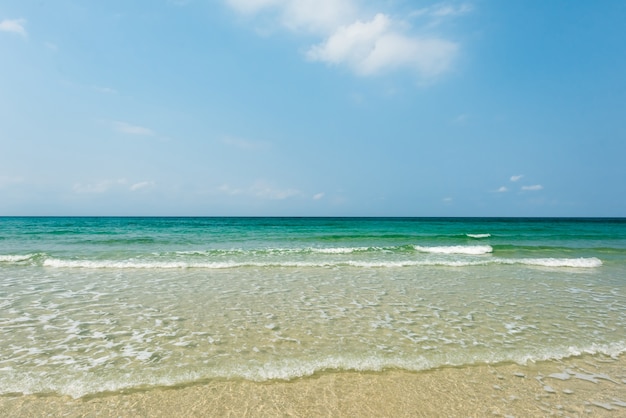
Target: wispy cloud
{"type": "Point", "coordinates": [502, 189]}
{"type": "Point", "coordinates": [516, 178]}
{"type": "Point", "coordinates": [127, 128]}
{"type": "Point", "coordinates": [534, 187]}
{"type": "Point", "coordinates": [352, 37]}
{"type": "Point", "coordinates": [14, 26]}
{"type": "Point", "coordinates": [107, 90]}
{"type": "Point", "coordinates": [318, 196]}
{"type": "Point", "coordinates": [317, 16]}
{"type": "Point", "coordinates": [107, 185]}
{"type": "Point", "coordinates": [261, 189]}
{"type": "Point", "coordinates": [442, 10]}
{"type": "Point", "coordinates": [51, 46]}
{"type": "Point", "coordinates": [98, 187]}
{"type": "Point", "coordinates": [142, 185]}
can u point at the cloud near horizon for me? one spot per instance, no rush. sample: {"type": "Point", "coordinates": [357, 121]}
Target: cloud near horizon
{"type": "Point", "coordinates": [104, 186]}
{"type": "Point", "coordinates": [534, 187]}
{"type": "Point", "coordinates": [261, 189]}
{"type": "Point", "coordinates": [352, 38]}
{"type": "Point", "coordinates": [14, 26]}
{"type": "Point", "coordinates": [142, 185]}
{"type": "Point", "coordinates": [97, 188]}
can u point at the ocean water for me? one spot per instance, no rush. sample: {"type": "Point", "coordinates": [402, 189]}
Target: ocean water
{"type": "Point", "coordinates": [94, 305]}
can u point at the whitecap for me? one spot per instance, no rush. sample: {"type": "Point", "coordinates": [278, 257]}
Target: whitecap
{"type": "Point", "coordinates": [478, 236]}
{"type": "Point", "coordinates": [456, 249]}
{"type": "Point", "coordinates": [15, 258]}
{"type": "Point", "coordinates": [591, 262]}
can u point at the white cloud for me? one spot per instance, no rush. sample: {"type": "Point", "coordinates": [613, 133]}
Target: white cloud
{"type": "Point", "coordinates": [142, 185]}
{"type": "Point", "coordinates": [502, 189]}
{"type": "Point", "coordinates": [127, 128]}
{"type": "Point", "coordinates": [13, 26]}
{"type": "Point", "coordinates": [533, 187]}
{"type": "Point", "coordinates": [516, 178]}
{"type": "Point", "coordinates": [372, 47]}
{"type": "Point", "coordinates": [368, 46]}
{"type": "Point", "coordinates": [318, 196]}
{"type": "Point", "coordinates": [447, 200]}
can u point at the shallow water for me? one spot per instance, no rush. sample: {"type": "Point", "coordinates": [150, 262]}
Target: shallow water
{"type": "Point", "coordinates": [94, 305]}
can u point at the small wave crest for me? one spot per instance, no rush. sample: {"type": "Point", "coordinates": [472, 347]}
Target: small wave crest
{"type": "Point", "coordinates": [340, 250]}
{"type": "Point", "coordinates": [456, 249]}
{"type": "Point", "coordinates": [478, 236]}
{"type": "Point", "coordinates": [17, 258]}
{"type": "Point", "coordinates": [591, 262]}
{"type": "Point", "coordinates": [78, 385]}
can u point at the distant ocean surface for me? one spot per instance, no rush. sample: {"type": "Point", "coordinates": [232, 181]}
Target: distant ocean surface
{"type": "Point", "coordinates": [90, 305]}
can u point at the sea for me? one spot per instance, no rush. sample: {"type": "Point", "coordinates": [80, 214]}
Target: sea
{"type": "Point", "coordinates": [92, 305]}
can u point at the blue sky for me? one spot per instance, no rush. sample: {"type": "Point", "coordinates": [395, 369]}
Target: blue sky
{"type": "Point", "coordinates": [313, 107]}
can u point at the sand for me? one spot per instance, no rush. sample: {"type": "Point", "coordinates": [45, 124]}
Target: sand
{"type": "Point", "coordinates": [580, 386]}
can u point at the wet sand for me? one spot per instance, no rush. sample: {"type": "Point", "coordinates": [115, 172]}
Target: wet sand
{"type": "Point", "coordinates": [581, 386]}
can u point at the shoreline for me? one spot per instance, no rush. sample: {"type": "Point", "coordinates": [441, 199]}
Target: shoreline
{"type": "Point", "coordinates": [590, 385]}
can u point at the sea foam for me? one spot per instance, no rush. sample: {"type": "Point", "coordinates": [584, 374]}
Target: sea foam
{"type": "Point", "coordinates": [478, 236]}
{"type": "Point", "coordinates": [15, 258]}
{"type": "Point", "coordinates": [442, 261]}
{"type": "Point", "coordinates": [456, 249]}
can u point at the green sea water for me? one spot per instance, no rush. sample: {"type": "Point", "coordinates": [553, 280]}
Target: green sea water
{"type": "Point", "coordinates": [89, 305]}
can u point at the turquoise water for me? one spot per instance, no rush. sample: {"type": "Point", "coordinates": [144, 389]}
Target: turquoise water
{"type": "Point", "coordinates": [104, 304]}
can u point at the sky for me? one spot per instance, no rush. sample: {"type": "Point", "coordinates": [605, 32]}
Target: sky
{"type": "Point", "coordinates": [313, 108]}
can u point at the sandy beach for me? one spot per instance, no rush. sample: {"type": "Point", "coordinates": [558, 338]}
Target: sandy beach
{"type": "Point", "coordinates": [581, 386]}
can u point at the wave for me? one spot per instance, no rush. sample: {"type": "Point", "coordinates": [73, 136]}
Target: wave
{"type": "Point", "coordinates": [478, 236]}
{"type": "Point", "coordinates": [456, 249]}
{"type": "Point", "coordinates": [78, 385]}
{"type": "Point", "coordinates": [591, 262]}
{"type": "Point", "coordinates": [18, 258]}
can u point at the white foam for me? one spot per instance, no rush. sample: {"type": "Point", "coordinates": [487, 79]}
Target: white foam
{"type": "Point", "coordinates": [456, 249]}
{"type": "Point", "coordinates": [14, 258]}
{"type": "Point", "coordinates": [478, 236]}
{"type": "Point", "coordinates": [340, 250]}
{"type": "Point", "coordinates": [104, 264]}
{"type": "Point", "coordinates": [591, 262]}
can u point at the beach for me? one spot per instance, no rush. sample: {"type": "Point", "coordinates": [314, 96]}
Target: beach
{"type": "Point", "coordinates": [582, 386]}
{"type": "Point", "coordinates": [312, 317]}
